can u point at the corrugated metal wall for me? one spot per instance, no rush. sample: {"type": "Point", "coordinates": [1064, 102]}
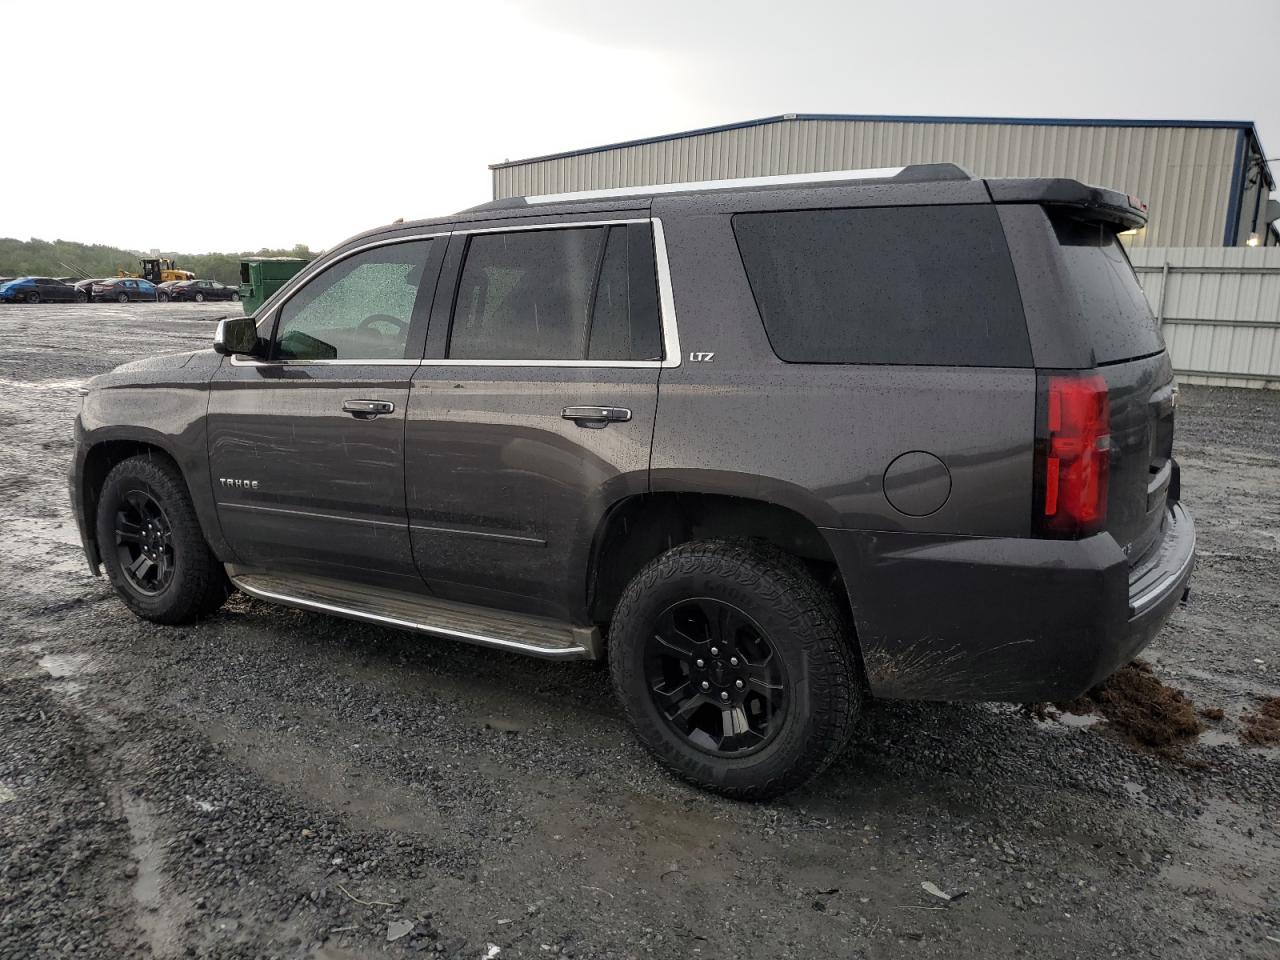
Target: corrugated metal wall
{"type": "Point", "coordinates": [1184, 173]}
{"type": "Point", "coordinates": [1220, 310]}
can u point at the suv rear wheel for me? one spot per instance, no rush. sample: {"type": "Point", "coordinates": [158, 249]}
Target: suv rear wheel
{"type": "Point", "coordinates": [152, 546]}
{"type": "Point", "coordinates": [735, 667]}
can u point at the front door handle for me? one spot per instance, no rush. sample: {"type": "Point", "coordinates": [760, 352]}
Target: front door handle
{"type": "Point", "coordinates": [367, 409]}
{"type": "Point", "coordinates": [596, 416]}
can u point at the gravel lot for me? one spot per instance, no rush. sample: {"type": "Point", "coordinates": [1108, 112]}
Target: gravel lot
{"type": "Point", "coordinates": [273, 783]}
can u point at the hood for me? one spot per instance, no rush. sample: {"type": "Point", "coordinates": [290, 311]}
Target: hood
{"type": "Point", "coordinates": [192, 365]}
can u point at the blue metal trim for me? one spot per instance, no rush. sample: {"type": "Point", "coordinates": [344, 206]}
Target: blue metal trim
{"type": "Point", "coordinates": [1243, 125]}
{"type": "Point", "coordinates": [1235, 199]}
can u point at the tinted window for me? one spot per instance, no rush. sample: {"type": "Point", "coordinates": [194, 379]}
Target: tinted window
{"type": "Point", "coordinates": [1113, 310]}
{"type": "Point", "coordinates": [358, 309]}
{"type": "Point", "coordinates": [568, 294]}
{"type": "Point", "coordinates": [892, 285]}
{"type": "Point", "coordinates": [624, 320]}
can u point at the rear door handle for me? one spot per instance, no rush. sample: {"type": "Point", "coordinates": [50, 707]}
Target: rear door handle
{"type": "Point", "coordinates": [367, 409]}
{"type": "Point", "coordinates": [596, 416]}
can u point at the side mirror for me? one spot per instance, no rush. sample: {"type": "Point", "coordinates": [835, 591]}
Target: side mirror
{"type": "Point", "coordinates": [237, 335]}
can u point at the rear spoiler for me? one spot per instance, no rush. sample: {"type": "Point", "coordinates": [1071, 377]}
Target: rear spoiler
{"type": "Point", "coordinates": [1089, 203]}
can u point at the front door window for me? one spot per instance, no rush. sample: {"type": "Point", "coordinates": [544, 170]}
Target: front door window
{"type": "Point", "coordinates": [358, 309]}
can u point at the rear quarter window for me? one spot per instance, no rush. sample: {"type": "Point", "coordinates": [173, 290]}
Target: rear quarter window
{"type": "Point", "coordinates": [886, 285]}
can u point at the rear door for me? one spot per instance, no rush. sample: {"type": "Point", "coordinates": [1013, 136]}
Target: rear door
{"type": "Point", "coordinates": [534, 411]}
{"type": "Point", "coordinates": [307, 448]}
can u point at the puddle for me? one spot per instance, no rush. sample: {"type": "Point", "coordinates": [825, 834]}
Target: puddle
{"type": "Point", "coordinates": [1217, 738]}
{"type": "Point", "coordinates": [63, 665]}
{"type": "Point", "coordinates": [157, 922]}
{"type": "Point", "coordinates": [65, 385]}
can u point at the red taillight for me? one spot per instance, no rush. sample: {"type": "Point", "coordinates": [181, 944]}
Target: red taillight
{"type": "Point", "coordinates": [1076, 455]}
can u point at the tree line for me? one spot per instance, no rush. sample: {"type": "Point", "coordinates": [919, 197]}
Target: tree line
{"type": "Point", "coordinates": [66, 258]}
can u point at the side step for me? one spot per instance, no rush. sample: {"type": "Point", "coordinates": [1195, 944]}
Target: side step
{"type": "Point", "coordinates": [520, 633]}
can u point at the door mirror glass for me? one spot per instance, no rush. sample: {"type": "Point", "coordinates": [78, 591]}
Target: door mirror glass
{"type": "Point", "coordinates": [236, 335]}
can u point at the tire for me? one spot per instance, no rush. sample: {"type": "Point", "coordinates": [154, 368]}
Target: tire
{"type": "Point", "coordinates": [82, 298]}
{"type": "Point", "coordinates": [33, 298]}
{"type": "Point", "coordinates": [765, 596]}
{"type": "Point", "coordinates": [196, 584]}
{"type": "Point", "coordinates": [235, 297]}
{"type": "Point", "coordinates": [122, 298]}
{"type": "Point", "coordinates": [162, 298]}
{"type": "Point", "coordinates": [199, 298]}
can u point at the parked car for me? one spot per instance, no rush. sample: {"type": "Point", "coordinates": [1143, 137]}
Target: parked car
{"type": "Point", "coordinates": [775, 445]}
{"type": "Point", "coordinates": [86, 286]}
{"type": "Point", "coordinates": [38, 290]}
{"type": "Point", "coordinates": [123, 290]}
{"type": "Point", "coordinates": [201, 290]}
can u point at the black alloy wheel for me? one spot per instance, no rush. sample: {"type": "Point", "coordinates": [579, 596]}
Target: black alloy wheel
{"type": "Point", "coordinates": [33, 298]}
{"type": "Point", "coordinates": [150, 541]}
{"type": "Point", "coordinates": [82, 297]}
{"type": "Point", "coordinates": [735, 666]}
{"type": "Point", "coordinates": [715, 677]}
{"type": "Point", "coordinates": [144, 543]}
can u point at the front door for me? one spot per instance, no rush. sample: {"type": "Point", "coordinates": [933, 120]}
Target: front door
{"type": "Point", "coordinates": [534, 412]}
{"type": "Point", "coordinates": [306, 448]}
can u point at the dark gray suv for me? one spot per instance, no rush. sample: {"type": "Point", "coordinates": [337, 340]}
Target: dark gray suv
{"type": "Point", "coordinates": [771, 445]}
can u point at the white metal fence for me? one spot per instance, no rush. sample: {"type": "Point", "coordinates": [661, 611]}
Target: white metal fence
{"type": "Point", "coordinates": [1220, 311]}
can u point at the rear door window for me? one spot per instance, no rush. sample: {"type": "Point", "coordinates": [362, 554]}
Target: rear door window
{"type": "Point", "coordinates": [577, 293]}
{"type": "Point", "coordinates": [1113, 311]}
{"type": "Point", "coordinates": [886, 285]}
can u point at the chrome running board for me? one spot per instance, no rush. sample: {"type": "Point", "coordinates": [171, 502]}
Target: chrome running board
{"type": "Point", "coordinates": [519, 633]}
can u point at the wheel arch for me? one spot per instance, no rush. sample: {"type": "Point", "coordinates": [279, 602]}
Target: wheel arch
{"type": "Point", "coordinates": [638, 528]}
{"type": "Point", "coordinates": [98, 460]}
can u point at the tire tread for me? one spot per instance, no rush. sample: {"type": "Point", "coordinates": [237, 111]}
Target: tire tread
{"type": "Point", "coordinates": [201, 587]}
{"type": "Point", "coordinates": [782, 581]}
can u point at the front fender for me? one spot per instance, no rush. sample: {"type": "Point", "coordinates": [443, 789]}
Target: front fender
{"type": "Point", "coordinates": [146, 406]}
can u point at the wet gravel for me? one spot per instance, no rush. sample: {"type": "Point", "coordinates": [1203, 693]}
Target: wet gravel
{"type": "Point", "coordinates": [272, 783]}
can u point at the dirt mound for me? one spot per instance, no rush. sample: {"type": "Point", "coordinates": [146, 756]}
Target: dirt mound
{"type": "Point", "coordinates": [1136, 703]}
{"type": "Point", "coordinates": [1262, 727]}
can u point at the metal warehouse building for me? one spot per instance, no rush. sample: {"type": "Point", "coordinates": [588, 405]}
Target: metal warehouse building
{"type": "Point", "coordinates": [1207, 181]}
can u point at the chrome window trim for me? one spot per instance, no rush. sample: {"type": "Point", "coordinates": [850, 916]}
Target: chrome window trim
{"type": "Point", "coordinates": [666, 307]}
{"type": "Point", "coordinates": [666, 303]}
{"type": "Point", "coordinates": [320, 263]}
{"type": "Point", "coordinates": [238, 361]}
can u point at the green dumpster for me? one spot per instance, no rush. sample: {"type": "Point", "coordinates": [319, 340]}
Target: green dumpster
{"type": "Point", "coordinates": [260, 277]}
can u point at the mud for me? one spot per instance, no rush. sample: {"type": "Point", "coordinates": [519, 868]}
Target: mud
{"type": "Point", "coordinates": [1262, 726]}
{"type": "Point", "coordinates": [1141, 707]}
{"type": "Point", "coordinates": [274, 784]}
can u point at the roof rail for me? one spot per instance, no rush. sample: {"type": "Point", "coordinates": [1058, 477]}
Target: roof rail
{"type": "Point", "coordinates": [913, 173]}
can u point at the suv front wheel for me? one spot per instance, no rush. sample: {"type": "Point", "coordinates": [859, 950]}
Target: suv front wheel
{"type": "Point", "coordinates": [152, 545]}
{"type": "Point", "coordinates": [735, 667]}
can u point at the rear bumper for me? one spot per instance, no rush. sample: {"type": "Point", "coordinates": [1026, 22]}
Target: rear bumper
{"type": "Point", "coordinates": [1022, 620]}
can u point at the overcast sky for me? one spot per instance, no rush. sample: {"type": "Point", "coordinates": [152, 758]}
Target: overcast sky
{"type": "Point", "coordinates": [197, 126]}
